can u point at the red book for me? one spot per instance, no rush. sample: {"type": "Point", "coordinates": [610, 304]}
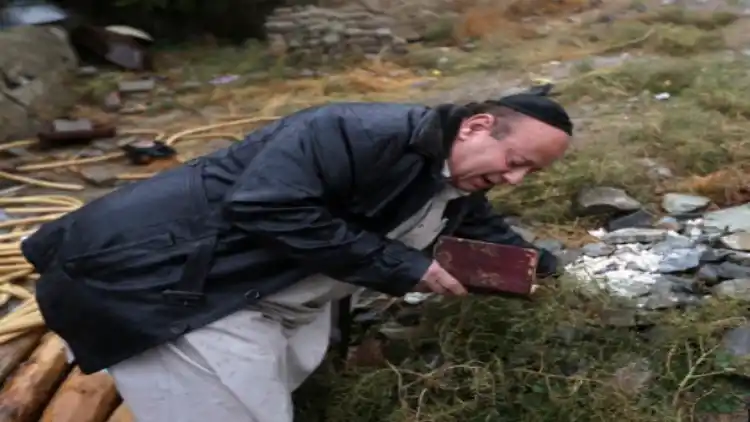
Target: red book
{"type": "Point", "coordinates": [488, 268]}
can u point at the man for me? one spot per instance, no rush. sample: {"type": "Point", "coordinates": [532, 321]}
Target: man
{"type": "Point", "coordinates": [206, 290]}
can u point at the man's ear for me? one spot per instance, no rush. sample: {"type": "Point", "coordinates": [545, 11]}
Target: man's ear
{"type": "Point", "coordinates": [480, 122]}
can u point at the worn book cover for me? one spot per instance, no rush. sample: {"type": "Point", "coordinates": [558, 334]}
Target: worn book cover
{"type": "Point", "coordinates": [488, 268]}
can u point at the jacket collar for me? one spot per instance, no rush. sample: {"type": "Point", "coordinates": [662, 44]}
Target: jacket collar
{"type": "Point", "coordinates": [436, 131]}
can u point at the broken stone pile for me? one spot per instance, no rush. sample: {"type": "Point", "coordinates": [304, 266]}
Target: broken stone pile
{"type": "Point", "coordinates": [318, 34]}
{"type": "Point", "coordinates": [679, 259]}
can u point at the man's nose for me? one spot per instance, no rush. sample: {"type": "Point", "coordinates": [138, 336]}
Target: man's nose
{"type": "Point", "coordinates": [515, 176]}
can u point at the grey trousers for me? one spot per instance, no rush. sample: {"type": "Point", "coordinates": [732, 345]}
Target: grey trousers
{"type": "Point", "coordinates": [239, 369]}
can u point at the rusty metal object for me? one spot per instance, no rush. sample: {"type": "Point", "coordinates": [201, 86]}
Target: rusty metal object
{"type": "Point", "coordinates": [488, 268]}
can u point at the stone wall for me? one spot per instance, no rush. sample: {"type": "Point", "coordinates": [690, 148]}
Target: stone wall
{"type": "Point", "coordinates": [316, 34]}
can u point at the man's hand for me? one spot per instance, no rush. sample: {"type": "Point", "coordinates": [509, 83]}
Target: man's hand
{"type": "Point", "coordinates": [439, 281]}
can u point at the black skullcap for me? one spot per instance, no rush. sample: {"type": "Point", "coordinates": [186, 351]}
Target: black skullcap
{"type": "Point", "coordinates": [539, 107]}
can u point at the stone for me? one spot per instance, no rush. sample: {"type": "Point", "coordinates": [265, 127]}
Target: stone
{"type": "Point", "coordinates": [549, 245]}
{"type": "Point", "coordinates": [708, 274]}
{"type": "Point", "coordinates": [729, 270]}
{"type": "Point", "coordinates": [99, 176]}
{"type": "Point", "coordinates": [714, 255]}
{"type": "Point", "coordinates": [112, 102]}
{"type": "Point", "coordinates": [639, 218]}
{"type": "Point", "coordinates": [596, 250]}
{"type": "Point", "coordinates": [526, 234]}
{"type": "Point", "coordinates": [672, 242]}
{"type": "Point", "coordinates": [655, 170]}
{"type": "Point", "coordinates": [39, 67]}
{"type": "Point", "coordinates": [87, 71]}
{"type": "Point", "coordinates": [680, 260]}
{"type": "Point", "coordinates": [604, 200]}
{"type": "Point", "coordinates": [668, 223]}
{"type": "Point", "coordinates": [634, 235]}
{"type": "Point", "coordinates": [679, 204]}
{"type": "Point", "coordinates": [415, 298]}
{"type": "Point", "coordinates": [567, 256]}
{"type": "Point", "coordinates": [734, 219]}
{"type": "Point", "coordinates": [136, 86]}
{"type": "Point", "coordinates": [738, 288]}
{"type": "Point", "coordinates": [667, 300]}
{"type": "Point", "coordinates": [736, 342]}
{"type": "Point", "coordinates": [737, 241]}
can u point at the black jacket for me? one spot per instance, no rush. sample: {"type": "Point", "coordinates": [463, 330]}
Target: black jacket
{"type": "Point", "coordinates": [314, 192]}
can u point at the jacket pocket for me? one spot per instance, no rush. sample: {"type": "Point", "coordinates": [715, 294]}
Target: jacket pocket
{"type": "Point", "coordinates": [114, 258]}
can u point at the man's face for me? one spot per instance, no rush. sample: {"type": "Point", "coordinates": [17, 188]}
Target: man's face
{"type": "Point", "coordinates": [478, 161]}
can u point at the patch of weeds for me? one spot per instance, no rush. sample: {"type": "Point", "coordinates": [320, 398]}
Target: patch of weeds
{"type": "Point", "coordinates": [554, 358]}
{"type": "Point", "coordinates": [440, 30]}
{"type": "Point", "coordinates": [631, 79]}
{"type": "Point", "coordinates": [679, 15]}
{"type": "Point", "coordinates": [662, 38]}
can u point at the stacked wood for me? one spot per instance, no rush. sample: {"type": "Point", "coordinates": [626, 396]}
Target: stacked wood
{"type": "Point", "coordinates": [83, 398]}
{"type": "Point", "coordinates": [44, 388]}
{"type": "Point", "coordinates": [28, 390]}
{"type": "Point", "coordinates": [121, 414]}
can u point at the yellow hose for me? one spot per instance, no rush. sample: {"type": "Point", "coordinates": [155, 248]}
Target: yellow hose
{"type": "Point", "coordinates": [35, 210]}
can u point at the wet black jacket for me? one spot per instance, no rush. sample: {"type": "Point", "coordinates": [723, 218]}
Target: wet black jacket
{"type": "Point", "coordinates": [314, 192]}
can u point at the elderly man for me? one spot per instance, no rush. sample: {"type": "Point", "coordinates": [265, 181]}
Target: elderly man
{"type": "Point", "coordinates": [206, 290]}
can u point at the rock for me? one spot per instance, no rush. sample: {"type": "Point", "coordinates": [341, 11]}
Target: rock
{"type": "Point", "coordinates": [667, 300]}
{"type": "Point", "coordinates": [604, 200]}
{"type": "Point", "coordinates": [655, 170]}
{"type": "Point", "coordinates": [415, 298]}
{"type": "Point", "coordinates": [99, 176]}
{"type": "Point", "coordinates": [739, 241]}
{"type": "Point", "coordinates": [596, 250]}
{"type": "Point", "coordinates": [734, 219]}
{"type": "Point", "coordinates": [568, 256]}
{"type": "Point", "coordinates": [714, 255]}
{"type": "Point", "coordinates": [136, 86]}
{"type": "Point", "coordinates": [668, 223]}
{"type": "Point", "coordinates": [680, 260]}
{"type": "Point", "coordinates": [640, 218]}
{"type": "Point", "coordinates": [672, 242]}
{"type": "Point", "coordinates": [112, 102]}
{"type": "Point", "coordinates": [550, 245]}
{"type": "Point", "coordinates": [633, 378]}
{"type": "Point", "coordinates": [708, 274]}
{"type": "Point", "coordinates": [634, 235]}
{"type": "Point", "coordinates": [738, 288]}
{"type": "Point", "coordinates": [526, 234]}
{"type": "Point", "coordinates": [736, 342]}
{"type": "Point", "coordinates": [87, 71]}
{"type": "Point", "coordinates": [679, 204]}
{"type": "Point", "coordinates": [740, 258]}
{"type": "Point", "coordinates": [39, 66]}
{"type": "Point", "coordinates": [727, 270]}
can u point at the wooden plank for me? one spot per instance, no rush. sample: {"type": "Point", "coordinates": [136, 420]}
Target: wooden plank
{"type": "Point", "coordinates": [122, 414]}
{"type": "Point", "coordinates": [33, 383]}
{"type": "Point", "coordinates": [83, 398]}
{"type": "Point", "coordinates": [16, 351]}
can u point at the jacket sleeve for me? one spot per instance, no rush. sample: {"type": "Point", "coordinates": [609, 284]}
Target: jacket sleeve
{"type": "Point", "coordinates": [483, 223]}
{"type": "Point", "coordinates": [283, 199]}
